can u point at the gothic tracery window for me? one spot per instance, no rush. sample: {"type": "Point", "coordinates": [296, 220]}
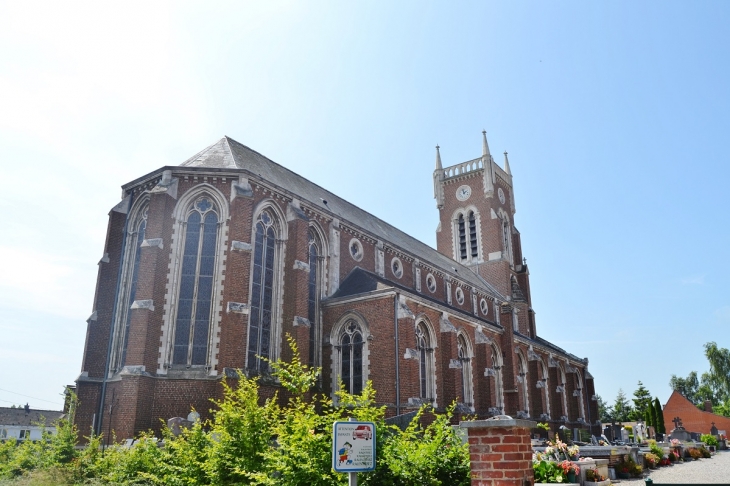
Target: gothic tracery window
{"type": "Point", "coordinates": [128, 292]}
{"type": "Point", "coordinates": [523, 382]}
{"type": "Point", "coordinates": [426, 376]}
{"type": "Point", "coordinates": [351, 343]}
{"type": "Point", "coordinates": [465, 359]}
{"type": "Point", "coordinates": [466, 236]}
{"type": "Point", "coordinates": [498, 382]}
{"type": "Point", "coordinates": [313, 298]}
{"type": "Point", "coordinates": [195, 300]}
{"type": "Point", "coordinates": [141, 227]}
{"type": "Point", "coordinates": [261, 318]}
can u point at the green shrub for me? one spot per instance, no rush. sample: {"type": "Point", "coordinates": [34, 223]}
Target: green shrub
{"type": "Point", "coordinates": [248, 442]}
{"type": "Point", "coordinates": [709, 439]}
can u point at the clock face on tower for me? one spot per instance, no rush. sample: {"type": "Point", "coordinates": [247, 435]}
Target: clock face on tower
{"type": "Point", "coordinates": [463, 193]}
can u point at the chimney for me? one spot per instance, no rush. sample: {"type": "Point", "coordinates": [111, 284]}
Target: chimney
{"type": "Point", "coordinates": [708, 406]}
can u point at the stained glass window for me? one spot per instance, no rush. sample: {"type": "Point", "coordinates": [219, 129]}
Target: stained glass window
{"type": "Point", "coordinates": [133, 283]}
{"type": "Point", "coordinates": [464, 358]}
{"type": "Point", "coordinates": [351, 344]}
{"type": "Point", "coordinates": [313, 300]}
{"type": "Point", "coordinates": [195, 300]}
{"type": "Point", "coordinates": [423, 347]}
{"type": "Point", "coordinates": [262, 293]}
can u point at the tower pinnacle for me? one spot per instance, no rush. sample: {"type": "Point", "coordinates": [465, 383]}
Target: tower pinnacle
{"type": "Point", "coordinates": [485, 145]}
{"type": "Point", "coordinates": [438, 159]}
{"type": "Point", "coordinates": [506, 164]}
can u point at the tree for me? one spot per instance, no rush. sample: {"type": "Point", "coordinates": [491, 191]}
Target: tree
{"type": "Point", "coordinates": [604, 414]}
{"type": "Point", "coordinates": [713, 385]}
{"type": "Point", "coordinates": [719, 376]}
{"type": "Point", "coordinates": [621, 410]}
{"type": "Point", "coordinates": [687, 387]}
{"type": "Point", "coordinates": [659, 417]}
{"type": "Point", "coordinates": [650, 416]}
{"type": "Point", "coordinates": [642, 402]}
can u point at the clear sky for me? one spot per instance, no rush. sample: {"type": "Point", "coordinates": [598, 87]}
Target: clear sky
{"type": "Point", "coordinates": [614, 114]}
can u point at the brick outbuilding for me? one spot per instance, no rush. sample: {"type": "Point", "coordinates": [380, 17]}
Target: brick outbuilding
{"type": "Point", "coordinates": [693, 419]}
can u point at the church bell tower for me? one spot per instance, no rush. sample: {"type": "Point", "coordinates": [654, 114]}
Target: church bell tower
{"type": "Point", "coordinates": [476, 228]}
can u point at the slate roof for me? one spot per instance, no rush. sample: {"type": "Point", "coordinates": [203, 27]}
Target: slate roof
{"type": "Point", "coordinates": [229, 154]}
{"type": "Point", "coordinates": [17, 416]}
{"type": "Point", "coordinates": [361, 281]}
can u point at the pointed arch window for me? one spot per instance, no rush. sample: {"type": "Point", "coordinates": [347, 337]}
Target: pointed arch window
{"type": "Point", "coordinates": [313, 287]}
{"type": "Point", "coordinates": [523, 383]}
{"type": "Point", "coordinates": [464, 357]}
{"type": "Point", "coordinates": [578, 387]}
{"type": "Point", "coordinates": [351, 344]}
{"type": "Point", "coordinates": [466, 235]}
{"type": "Point", "coordinates": [141, 228]}
{"type": "Point", "coordinates": [261, 319]}
{"type": "Point", "coordinates": [498, 382]}
{"type": "Point", "coordinates": [563, 397]}
{"type": "Point", "coordinates": [426, 375]}
{"type": "Point", "coordinates": [507, 240]}
{"type": "Point", "coordinates": [127, 296]}
{"type": "Point", "coordinates": [545, 387]}
{"type": "Point", "coordinates": [195, 301]}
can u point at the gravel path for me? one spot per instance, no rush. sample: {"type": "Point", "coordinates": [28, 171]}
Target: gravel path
{"type": "Point", "coordinates": [715, 471]}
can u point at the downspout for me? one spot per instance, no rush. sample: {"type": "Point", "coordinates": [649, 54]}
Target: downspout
{"type": "Point", "coordinates": [585, 396]}
{"type": "Point", "coordinates": [102, 398]}
{"type": "Point", "coordinates": [397, 350]}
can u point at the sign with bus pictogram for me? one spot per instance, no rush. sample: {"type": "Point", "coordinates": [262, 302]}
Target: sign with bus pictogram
{"type": "Point", "coordinates": [353, 446]}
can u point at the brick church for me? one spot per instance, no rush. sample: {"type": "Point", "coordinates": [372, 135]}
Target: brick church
{"type": "Point", "coordinates": [210, 264]}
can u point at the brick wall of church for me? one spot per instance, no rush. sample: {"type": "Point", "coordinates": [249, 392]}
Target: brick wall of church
{"type": "Point", "coordinates": [145, 399]}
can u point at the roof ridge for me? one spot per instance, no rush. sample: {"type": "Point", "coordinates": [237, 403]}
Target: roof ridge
{"type": "Point", "coordinates": [386, 228]}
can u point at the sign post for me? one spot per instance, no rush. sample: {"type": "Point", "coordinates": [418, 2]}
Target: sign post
{"type": "Point", "coordinates": [353, 448]}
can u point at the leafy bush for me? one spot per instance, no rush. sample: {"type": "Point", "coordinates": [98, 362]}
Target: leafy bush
{"type": "Point", "coordinates": [655, 449]}
{"type": "Point", "coordinates": [250, 442]}
{"type": "Point", "coordinates": [548, 472]}
{"type": "Point", "coordinates": [708, 439]}
{"type": "Point", "coordinates": [705, 453]}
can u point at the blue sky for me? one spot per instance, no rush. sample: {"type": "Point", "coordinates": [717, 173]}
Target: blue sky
{"type": "Point", "coordinates": [614, 115]}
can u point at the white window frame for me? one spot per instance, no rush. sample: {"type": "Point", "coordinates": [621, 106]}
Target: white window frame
{"type": "Point", "coordinates": [177, 245]}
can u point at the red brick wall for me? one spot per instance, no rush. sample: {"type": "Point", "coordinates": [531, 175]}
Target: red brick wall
{"type": "Point", "coordinates": [500, 452]}
{"type": "Point", "coordinates": [693, 419]}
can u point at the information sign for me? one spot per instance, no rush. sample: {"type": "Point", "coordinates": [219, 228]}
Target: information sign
{"type": "Point", "coordinates": [353, 446]}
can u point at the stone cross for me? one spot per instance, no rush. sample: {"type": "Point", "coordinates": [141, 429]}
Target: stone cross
{"type": "Point", "coordinates": [677, 422]}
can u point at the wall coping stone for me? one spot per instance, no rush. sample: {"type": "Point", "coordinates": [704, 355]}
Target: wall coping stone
{"type": "Point", "coordinates": [501, 422]}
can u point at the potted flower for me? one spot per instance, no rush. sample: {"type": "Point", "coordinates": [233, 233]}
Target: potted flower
{"type": "Point", "coordinates": [570, 470]}
{"type": "Point", "coordinates": [623, 470]}
{"type": "Point", "coordinates": [651, 460]}
{"type": "Point", "coordinates": [594, 478]}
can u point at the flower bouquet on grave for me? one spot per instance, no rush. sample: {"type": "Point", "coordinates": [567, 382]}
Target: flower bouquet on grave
{"type": "Point", "coordinates": [570, 470]}
{"type": "Point", "coordinates": [593, 476]}
{"type": "Point", "coordinates": [651, 460]}
{"type": "Point", "coordinates": [623, 470]}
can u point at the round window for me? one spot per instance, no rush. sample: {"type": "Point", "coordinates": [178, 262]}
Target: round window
{"type": "Point", "coordinates": [397, 267]}
{"type": "Point", "coordinates": [356, 249]}
{"type": "Point", "coordinates": [459, 295]}
{"type": "Point", "coordinates": [431, 283]}
{"type": "Point", "coordinates": [484, 306]}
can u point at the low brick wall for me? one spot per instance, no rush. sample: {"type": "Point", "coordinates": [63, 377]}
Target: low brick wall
{"type": "Point", "coordinates": [500, 452]}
